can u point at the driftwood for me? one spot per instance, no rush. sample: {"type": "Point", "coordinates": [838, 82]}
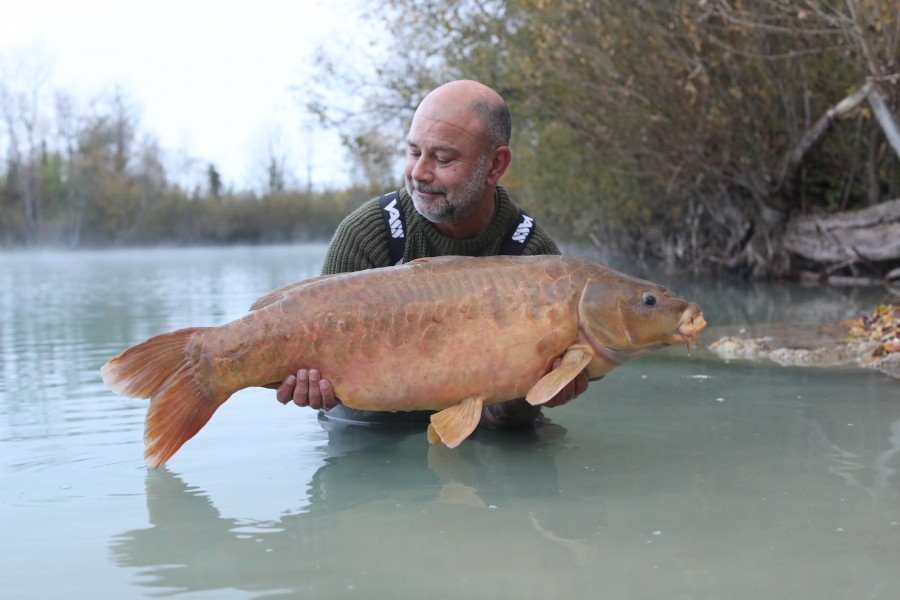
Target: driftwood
{"type": "Point", "coordinates": [869, 237]}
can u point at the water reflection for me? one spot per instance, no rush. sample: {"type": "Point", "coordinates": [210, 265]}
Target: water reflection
{"type": "Point", "coordinates": [727, 302]}
{"type": "Point", "coordinates": [874, 479]}
{"type": "Point", "coordinates": [695, 499]}
{"type": "Point", "coordinates": [377, 493]}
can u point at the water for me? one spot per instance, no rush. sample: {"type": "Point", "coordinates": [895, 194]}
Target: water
{"type": "Point", "coordinates": [674, 477]}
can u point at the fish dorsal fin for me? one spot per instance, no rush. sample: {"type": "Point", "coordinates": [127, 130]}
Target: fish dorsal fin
{"type": "Point", "coordinates": [438, 260]}
{"type": "Point", "coordinates": [452, 425]}
{"type": "Point", "coordinates": [574, 361]}
{"type": "Point", "coordinates": [277, 295]}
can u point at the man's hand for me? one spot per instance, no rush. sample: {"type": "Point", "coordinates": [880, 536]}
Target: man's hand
{"type": "Point", "coordinates": [572, 390]}
{"type": "Point", "coordinates": [307, 388]}
{"type": "Point", "coordinates": [517, 413]}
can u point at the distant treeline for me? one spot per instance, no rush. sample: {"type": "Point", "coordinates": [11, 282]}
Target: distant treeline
{"type": "Point", "coordinates": [94, 179]}
{"type": "Point", "coordinates": [126, 209]}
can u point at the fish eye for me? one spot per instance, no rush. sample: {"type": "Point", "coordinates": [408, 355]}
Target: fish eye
{"type": "Point", "coordinates": [649, 299]}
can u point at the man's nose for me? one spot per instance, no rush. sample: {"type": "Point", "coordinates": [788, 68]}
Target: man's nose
{"type": "Point", "coordinates": [421, 169]}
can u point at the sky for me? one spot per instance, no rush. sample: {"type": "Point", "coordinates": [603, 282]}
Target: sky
{"type": "Point", "coordinates": [216, 80]}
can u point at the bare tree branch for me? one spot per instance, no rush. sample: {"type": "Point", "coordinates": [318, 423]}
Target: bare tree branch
{"type": "Point", "coordinates": [884, 117]}
{"type": "Point", "coordinates": [789, 168]}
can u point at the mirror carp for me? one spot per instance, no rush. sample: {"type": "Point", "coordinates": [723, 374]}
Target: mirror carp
{"type": "Point", "coordinates": [450, 334]}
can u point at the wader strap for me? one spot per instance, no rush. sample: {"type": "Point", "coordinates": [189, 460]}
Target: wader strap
{"type": "Point", "coordinates": [514, 245]}
{"type": "Point", "coordinates": [395, 224]}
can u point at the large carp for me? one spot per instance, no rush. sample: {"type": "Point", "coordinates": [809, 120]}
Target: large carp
{"type": "Point", "coordinates": [450, 334]}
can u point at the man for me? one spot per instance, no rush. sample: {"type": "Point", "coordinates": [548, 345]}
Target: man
{"type": "Point", "coordinates": [458, 149]}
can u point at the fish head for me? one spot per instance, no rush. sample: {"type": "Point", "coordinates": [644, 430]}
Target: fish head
{"type": "Point", "coordinates": [623, 317]}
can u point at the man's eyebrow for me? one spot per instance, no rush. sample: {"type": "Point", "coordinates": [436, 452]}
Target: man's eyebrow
{"type": "Point", "coordinates": [439, 148]}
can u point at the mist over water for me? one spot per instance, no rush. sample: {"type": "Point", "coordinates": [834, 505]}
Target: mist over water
{"type": "Point", "coordinates": [676, 476]}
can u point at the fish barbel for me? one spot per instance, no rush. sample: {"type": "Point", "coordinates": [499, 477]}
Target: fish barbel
{"type": "Point", "coordinates": [450, 334]}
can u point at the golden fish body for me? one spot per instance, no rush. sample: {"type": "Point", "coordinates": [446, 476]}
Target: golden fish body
{"type": "Point", "coordinates": [450, 334]}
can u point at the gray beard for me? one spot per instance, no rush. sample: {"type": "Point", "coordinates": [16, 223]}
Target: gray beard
{"type": "Point", "coordinates": [455, 205]}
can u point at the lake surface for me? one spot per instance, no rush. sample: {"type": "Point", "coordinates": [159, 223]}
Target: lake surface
{"type": "Point", "coordinates": [675, 477]}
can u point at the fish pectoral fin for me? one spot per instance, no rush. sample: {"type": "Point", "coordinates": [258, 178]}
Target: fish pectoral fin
{"type": "Point", "coordinates": [452, 425]}
{"type": "Point", "coordinates": [574, 361]}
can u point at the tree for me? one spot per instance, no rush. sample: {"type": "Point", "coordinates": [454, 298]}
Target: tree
{"type": "Point", "coordinates": [215, 181]}
{"type": "Point", "coordinates": [22, 83]}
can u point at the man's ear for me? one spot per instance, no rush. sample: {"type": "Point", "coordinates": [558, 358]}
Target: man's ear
{"type": "Point", "coordinates": [500, 160]}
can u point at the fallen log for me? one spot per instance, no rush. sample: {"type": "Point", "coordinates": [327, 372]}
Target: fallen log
{"type": "Point", "coordinates": [869, 237]}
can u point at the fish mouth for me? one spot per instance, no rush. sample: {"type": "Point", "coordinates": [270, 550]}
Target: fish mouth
{"type": "Point", "coordinates": [692, 322]}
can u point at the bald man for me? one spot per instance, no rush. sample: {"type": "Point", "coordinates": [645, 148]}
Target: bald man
{"type": "Point", "coordinates": [452, 204]}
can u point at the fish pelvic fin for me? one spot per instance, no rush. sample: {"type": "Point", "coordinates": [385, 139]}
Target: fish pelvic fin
{"type": "Point", "coordinates": [454, 424]}
{"type": "Point", "coordinates": [575, 359]}
{"type": "Point", "coordinates": [180, 406]}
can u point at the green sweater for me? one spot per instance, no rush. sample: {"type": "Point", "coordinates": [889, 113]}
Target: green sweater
{"type": "Point", "coordinates": [361, 240]}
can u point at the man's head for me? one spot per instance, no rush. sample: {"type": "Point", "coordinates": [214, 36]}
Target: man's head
{"type": "Point", "coordinates": [458, 148]}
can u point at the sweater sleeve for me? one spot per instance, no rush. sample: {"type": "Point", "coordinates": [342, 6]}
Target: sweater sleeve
{"type": "Point", "coordinates": [540, 243]}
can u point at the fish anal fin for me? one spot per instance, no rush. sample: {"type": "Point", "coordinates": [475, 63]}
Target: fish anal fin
{"type": "Point", "coordinates": [454, 424]}
{"type": "Point", "coordinates": [575, 359]}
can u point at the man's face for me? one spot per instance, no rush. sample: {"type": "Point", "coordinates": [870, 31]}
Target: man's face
{"type": "Point", "coordinates": [446, 166]}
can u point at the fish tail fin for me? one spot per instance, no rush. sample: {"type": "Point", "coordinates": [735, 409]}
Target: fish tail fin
{"type": "Point", "coordinates": [159, 369]}
{"type": "Point", "coordinates": [178, 410]}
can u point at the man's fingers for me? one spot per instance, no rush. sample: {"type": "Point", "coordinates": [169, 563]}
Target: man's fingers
{"type": "Point", "coordinates": [311, 394]}
{"type": "Point", "coordinates": [301, 390]}
{"type": "Point", "coordinates": [307, 388]}
{"type": "Point", "coordinates": [581, 383]}
{"type": "Point", "coordinates": [571, 390]}
{"type": "Point", "coordinates": [327, 393]}
{"type": "Point", "coordinates": [285, 391]}
{"type": "Point", "coordinates": [562, 396]}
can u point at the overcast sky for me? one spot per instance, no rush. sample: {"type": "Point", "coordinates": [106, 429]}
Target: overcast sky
{"type": "Point", "coordinates": [213, 78]}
